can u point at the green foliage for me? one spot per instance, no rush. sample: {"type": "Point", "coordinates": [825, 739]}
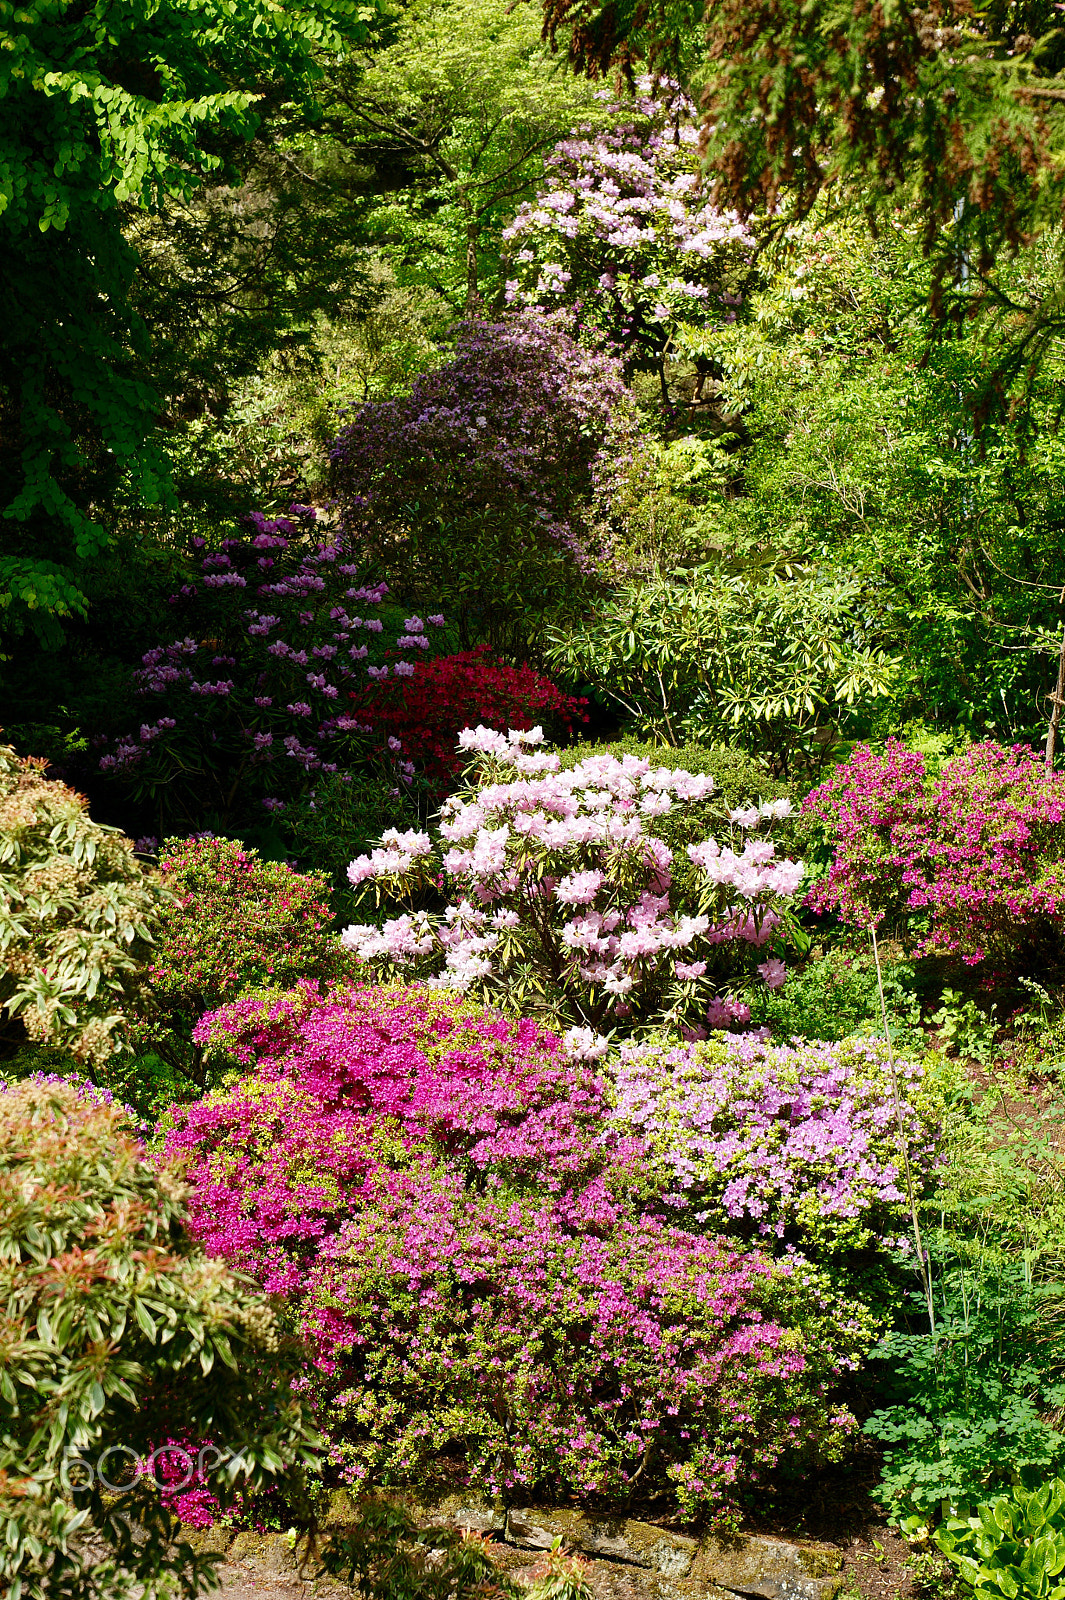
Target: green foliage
{"type": "Point", "coordinates": [236, 922]}
{"type": "Point", "coordinates": [444, 131]}
{"type": "Point", "coordinates": [974, 1407]}
{"type": "Point", "coordinates": [780, 662]}
{"type": "Point", "coordinates": [964, 1029]}
{"type": "Point", "coordinates": [100, 114]}
{"type": "Point", "coordinates": [336, 820]}
{"type": "Point", "coordinates": [835, 997]}
{"type": "Point", "coordinates": [1014, 1546]}
{"type": "Point", "coordinates": [77, 914]}
{"type": "Point", "coordinates": [117, 1332]}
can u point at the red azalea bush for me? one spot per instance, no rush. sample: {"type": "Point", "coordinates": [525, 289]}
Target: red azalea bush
{"type": "Point", "coordinates": [974, 857]}
{"type": "Point", "coordinates": [492, 1288]}
{"type": "Point", "coordinates": [423, 715]}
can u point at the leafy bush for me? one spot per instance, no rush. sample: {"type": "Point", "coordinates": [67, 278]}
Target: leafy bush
{"type": "Point", "coordinates": [787, 1142]}
{"type": "Point", "coordinates": [424, 714]}
{"type": "Point", "coordinates": [236, 922]}
{"type": "Point", "coordinates": [835, 996]}
{"type": "Point", "coordinates": [116, 1330]}
{"type": "Point", "coordinates": [977, 1406]}
{"type": "Point", "coordinates": [476, 491]}
{"type": "Point", "coordinates": [77, 913]}
{"type": "Point", "coordinates": [562, 892]}
{"type": "Point", "coordinates": [969, 865]}
{"type": "Point", "coordinates": [250, 706]}
{"type": "Point", "coordinates": [1013, 1546]}
{"type": "Point", "coordinates": [782, 664]}
{"type": "Point", "coordinates": [487, 1266]}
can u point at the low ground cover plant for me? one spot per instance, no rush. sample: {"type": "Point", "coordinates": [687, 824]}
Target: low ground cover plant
{"type": "Point", "coordinates": [117, 1332]}
{"type": "Point", "coordinates": [560, 890]}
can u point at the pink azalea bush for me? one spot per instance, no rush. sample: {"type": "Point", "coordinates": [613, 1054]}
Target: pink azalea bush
{"type": "Point", "coordinates": [970, 862]}
{"type": "Point", "coordinates": [560, 889]}
{"type": "Point", "coordinates": [483, 1255]}
{"type": "Point", "coordinates": [797, 1139]}
{"type": "Point", "coordinates": [484, 1339]}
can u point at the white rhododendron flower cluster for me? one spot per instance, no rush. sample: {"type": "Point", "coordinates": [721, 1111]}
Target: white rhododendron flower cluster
{"type": "Point", "coordinates": [559, 886]}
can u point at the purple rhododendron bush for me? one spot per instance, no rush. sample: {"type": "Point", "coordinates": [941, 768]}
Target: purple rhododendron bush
{"type": "Point", "coordinates": [506, 1276]}
{"type": "Point", "coordinates": [968, 864]}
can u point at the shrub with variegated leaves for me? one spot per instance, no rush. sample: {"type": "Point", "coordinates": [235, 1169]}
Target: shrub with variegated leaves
{"type": "Point", "coordinates": [77, 913]}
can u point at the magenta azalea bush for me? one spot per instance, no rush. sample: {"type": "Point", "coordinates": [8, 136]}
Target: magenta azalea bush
{"type": "Point", "coordinates": [799, 1140]}
{"type": "Point", "coordinates": [481, 1246]}
{"type": "Point", "coordinates": [968, 864]}
{"type": "Point", "coordinates": [562, 894]}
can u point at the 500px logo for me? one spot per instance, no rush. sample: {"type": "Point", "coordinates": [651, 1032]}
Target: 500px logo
{"type": "Point", "coordinates": [170, 1467]}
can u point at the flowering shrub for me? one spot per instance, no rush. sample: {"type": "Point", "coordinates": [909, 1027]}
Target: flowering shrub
{"type": "Point", "coordinates": [115, 1329]}
{"type": "Point", "coordinates": [482, 1340]}
{"type": "Point", "coordinates": [77, 913]}
{"type": "Point", "coordinates": [235, 923]}
{"type": "Point", "coordinates": [474, 492]}
{"type": "Point", "coordinates": [971, 862]}
{"type": "Point", "coordinates": [252, 702]}
{"type": "Point", "coordinates": [560, 890]}
{"type": "Point", "coordinates": [423, 715]}
{"type": "Point", "coordinates": [798, 1140]}
{"type": "Point", "coordinates": [625, 233]}
{"type": "Point", "coordinates": [476, 1251]}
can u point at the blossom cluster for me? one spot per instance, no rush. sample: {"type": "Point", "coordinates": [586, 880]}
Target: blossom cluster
{"type": "Point", "coordinates": [624, 232]}
{"type": "Point", "coordinates": [970, 861]}
{"type": "Point", "coordinates": [784, 1139]}
{"type": "Point", "coordinates": [482, 1254]}
{"type": "Point", "coordinates": [423, 714]}
{"type": "Point", "coordinates": [280, 629]}
{"type": "Point", "coordinates": [558, 884]}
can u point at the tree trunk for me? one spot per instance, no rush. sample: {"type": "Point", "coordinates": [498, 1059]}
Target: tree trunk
{"type": "Point", "coordinates": [1058, 700]}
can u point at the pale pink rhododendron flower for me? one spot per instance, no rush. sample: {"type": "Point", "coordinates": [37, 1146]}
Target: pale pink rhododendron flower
{"type": "Point", "coordinates": [559, 886]}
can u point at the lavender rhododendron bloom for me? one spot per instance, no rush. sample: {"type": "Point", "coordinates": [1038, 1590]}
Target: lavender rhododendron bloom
{"type": "Point", "coordinates": [625, 234]}
{"type": "Point", "coordinates": [558, 884]}
{"type": "Point", "coordinates": [798, 1138]}
{"type": "Point", "coordinates": [494, 1288]}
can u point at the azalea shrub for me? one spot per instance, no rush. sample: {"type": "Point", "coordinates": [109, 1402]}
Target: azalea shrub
{"type": "Point", "coordinates": [560, 890]}
{"type": "Point", "coordinates": [421, 716]}
{"type": "Point", "coordinates": [234, 922]}
{"type": "Point", "coordinates": [793, 1141]}
{"type": "Point", "coordinates": [481, 1246]}
{"type": "Point", "coordinates": [117, 1332]}
{"type": "Point", "coordinates": [78, 914]}
{"type": "Point", "coordinates": [249, 707]}
{"type": "Point", "coordinates": [969, 863]}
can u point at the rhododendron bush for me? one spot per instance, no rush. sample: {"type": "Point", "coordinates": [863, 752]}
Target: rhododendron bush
{"type": "Point", "coordinates": [968, 864]}
{"type": "Point", "coordinates": [251, 704]}
{"type": "Point", "coordinates": [561, 891]}
{"type": "Point", "coordinates": [481, 1245]}
{"type": "Point", "coordinates": [477, 491]}
{"type": "Point", "coordinates": [626, 235]}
